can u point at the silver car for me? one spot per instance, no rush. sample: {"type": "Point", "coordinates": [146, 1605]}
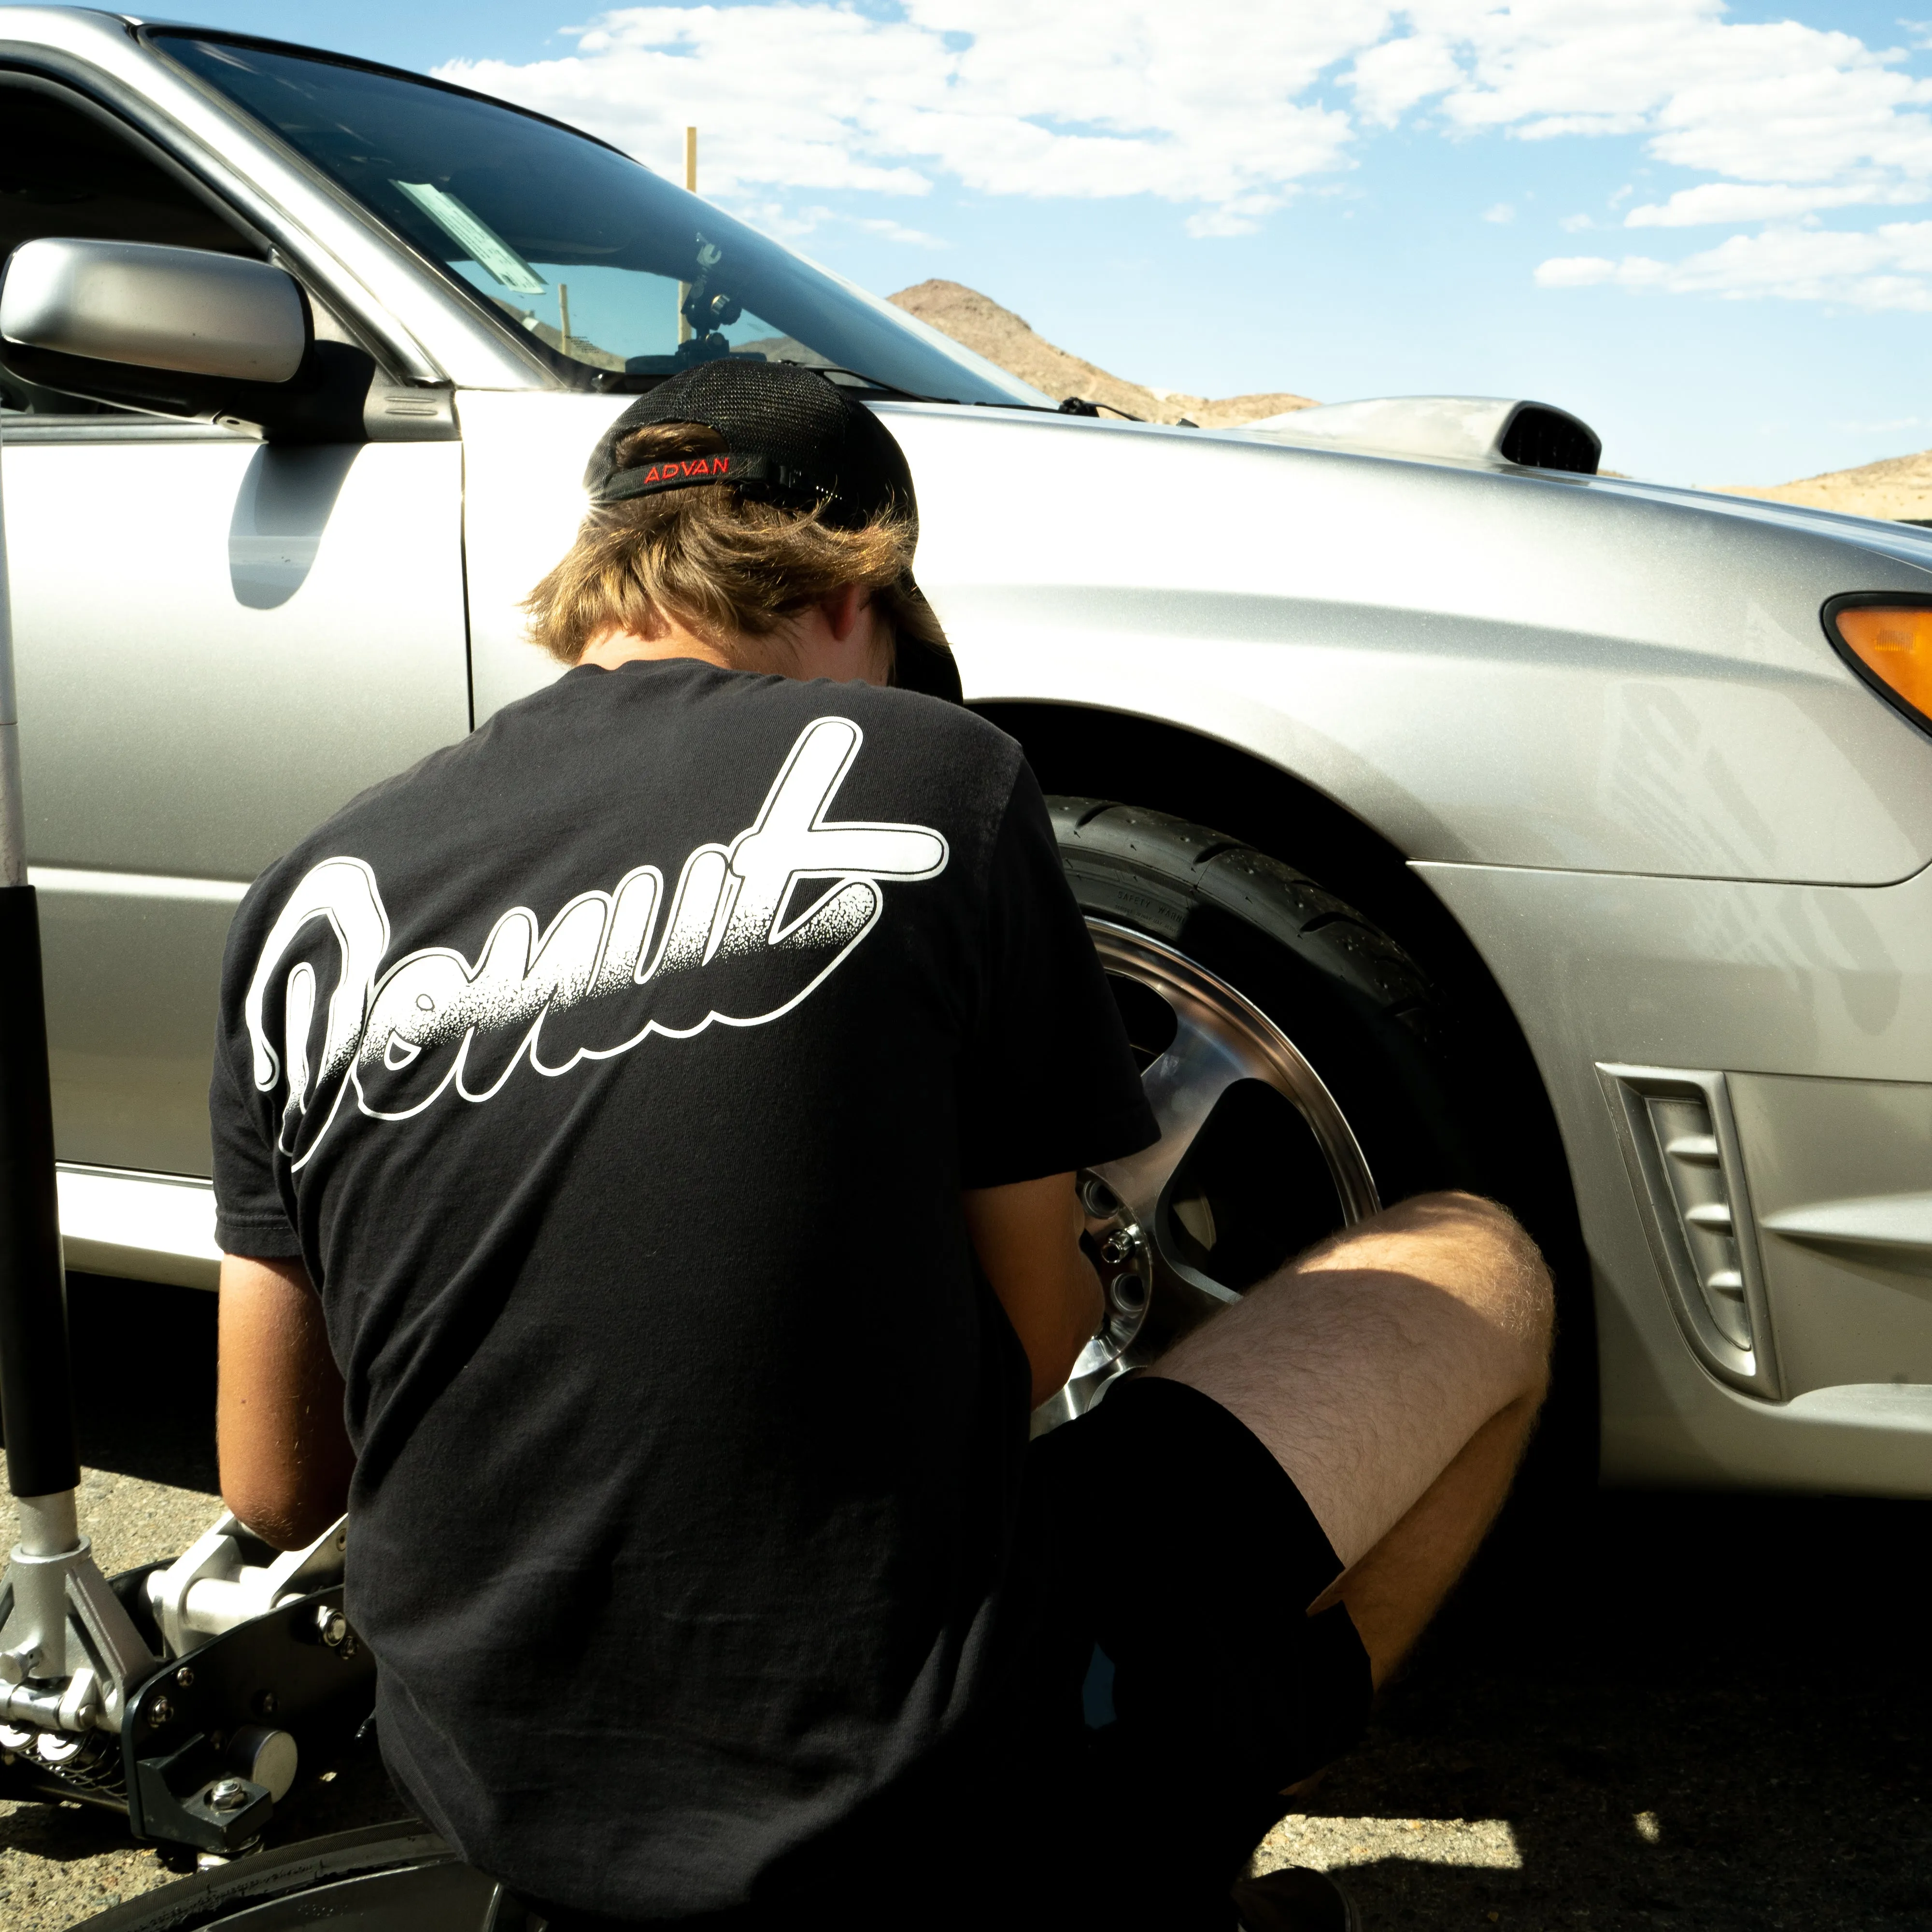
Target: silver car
{"type": "Point", "coordinates": [1618, 797]}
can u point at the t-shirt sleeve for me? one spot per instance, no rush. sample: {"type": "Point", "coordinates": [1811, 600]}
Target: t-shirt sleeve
{"type": "Point", "coordinates": [1048, 1082]}
{"type": "Point", "coordinates": [250, 1217]}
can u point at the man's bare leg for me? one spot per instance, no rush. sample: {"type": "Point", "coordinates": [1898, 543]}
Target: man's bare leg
{"type": "Point", "coordinates": [1395, 1372]}
{"type": "Point", "coordinates": [1394, 1591]}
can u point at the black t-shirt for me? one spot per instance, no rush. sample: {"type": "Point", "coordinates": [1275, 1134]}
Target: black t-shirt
{"type": "Point", "coordinates": [615, 1073]}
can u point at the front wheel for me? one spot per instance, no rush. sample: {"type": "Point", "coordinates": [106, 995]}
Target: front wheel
{"type": "Point", "coordinates": [1297, 1059]}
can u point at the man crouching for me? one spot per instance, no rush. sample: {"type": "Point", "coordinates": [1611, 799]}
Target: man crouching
{"type": "Point", "coordinates": [645, 1134]}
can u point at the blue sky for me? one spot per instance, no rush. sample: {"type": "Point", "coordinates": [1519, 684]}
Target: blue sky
{"type": "Point", "coordinates": [1707, 230]}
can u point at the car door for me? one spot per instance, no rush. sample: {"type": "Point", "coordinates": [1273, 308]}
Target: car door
{"type": "Point", "coordinates": [219, 641]}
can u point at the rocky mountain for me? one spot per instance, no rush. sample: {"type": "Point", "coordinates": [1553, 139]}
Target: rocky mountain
{"type": "Point", "coordinates": [986, 329]}
{"type": "Point", "coordinates": [1900, 488]}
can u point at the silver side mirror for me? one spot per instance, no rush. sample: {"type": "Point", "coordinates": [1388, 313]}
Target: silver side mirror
{"type": "Point", "coordinates": [185, 311]}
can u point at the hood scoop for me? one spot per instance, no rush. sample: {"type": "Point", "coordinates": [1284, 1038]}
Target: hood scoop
{"type": "Point", "coordinates": [1465, 429]}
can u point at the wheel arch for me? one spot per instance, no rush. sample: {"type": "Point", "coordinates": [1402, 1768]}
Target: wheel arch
{"type": "Point", "coordinates": [1092, 751]}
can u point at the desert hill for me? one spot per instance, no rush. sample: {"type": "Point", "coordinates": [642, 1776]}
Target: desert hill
{"type": "Point", "coordinates": [1899, 488]}
{"type": "Point", "coordinates": [986, 329]}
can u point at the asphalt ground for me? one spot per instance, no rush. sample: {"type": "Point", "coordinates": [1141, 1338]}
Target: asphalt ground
{"type": "Point", "coordinates": [1642, 1711]}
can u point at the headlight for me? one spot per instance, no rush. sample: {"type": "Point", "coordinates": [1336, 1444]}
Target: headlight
{"type": "Point", "coordinates": [1888, 641]}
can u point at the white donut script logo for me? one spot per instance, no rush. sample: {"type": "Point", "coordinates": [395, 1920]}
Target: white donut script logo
{"type": "Point", "coordinates": [601, 977]}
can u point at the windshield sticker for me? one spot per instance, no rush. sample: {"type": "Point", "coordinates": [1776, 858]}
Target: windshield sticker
{"type": "Point", "coordinates": [469, 231]}
{"type": "Point", "coordinates": [742, 946]}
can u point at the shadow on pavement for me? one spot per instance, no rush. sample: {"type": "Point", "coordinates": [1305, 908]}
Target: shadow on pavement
{"type": "Point", "coordinates": [1708, 1711]}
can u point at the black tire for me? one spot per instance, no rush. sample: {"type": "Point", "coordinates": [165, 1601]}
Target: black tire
{"type": "Point", "coordinates": [1360, 1010]}
{"type": "Point", "coordinates": [399, 1877]}
{"type": "Point", "coordinates": [1440, 1089]}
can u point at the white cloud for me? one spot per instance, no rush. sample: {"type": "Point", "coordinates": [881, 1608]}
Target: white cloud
{"type": "Point", "coordinates": [1229, 110]}
{"type": "Point", "coordinates": [1502, 212]}
{"type": "Point", "coordinates": [1776, 102]}
{"type": "Point", "coordinates": [1079, 99]}
{"type": "Point", "coordinates": [1795, 121]}
{"type": "Point", "coordinates": [1399, 74]}
{"type": "Point", "coordinates": [1728, 203]}
{"type": "Point", "coordinates": [894, 231]}
{"type": "Point", "coordinates": [1572, 224]}
{"type": "Point", "coordinates": [1583, 271]}
{"type": "Point", "coordinates": [1886, 268]}
{"type": "Point", "coordinates": [775, 217]}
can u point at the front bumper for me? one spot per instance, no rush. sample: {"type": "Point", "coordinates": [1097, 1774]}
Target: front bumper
{"type": "Point", "coordinates": [1814, 1005]}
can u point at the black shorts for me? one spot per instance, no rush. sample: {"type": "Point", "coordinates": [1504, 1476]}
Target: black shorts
{"type": "Point", "coordinates": [1170, 1674]}
{"type": "Point", "coordinates": [1168, 1538]}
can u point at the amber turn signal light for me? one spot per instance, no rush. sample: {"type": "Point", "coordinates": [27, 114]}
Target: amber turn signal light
{"type": "Point", "coordinates": [1892, 643]}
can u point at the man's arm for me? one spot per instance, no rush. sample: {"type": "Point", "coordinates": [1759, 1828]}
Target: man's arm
{"type": "Point", "coordinates": [286, 1460]}
{"type": "Point", "coordinates": [1027, 1237]}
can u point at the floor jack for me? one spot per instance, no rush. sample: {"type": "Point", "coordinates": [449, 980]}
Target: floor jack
{"type": "Point", "coordinates": [189, 1694]}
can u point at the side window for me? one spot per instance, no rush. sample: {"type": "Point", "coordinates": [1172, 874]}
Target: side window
{"type": "Point", "coordinates": [67, 169]}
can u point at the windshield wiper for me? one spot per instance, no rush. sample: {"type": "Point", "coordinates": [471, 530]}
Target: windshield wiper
{"type": "Point", "coordinates": [1072, 406]}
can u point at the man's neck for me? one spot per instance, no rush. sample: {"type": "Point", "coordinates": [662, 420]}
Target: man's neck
{"type": "Point", "coordinates": [853, 649]}
{"type": "Point", "coordinates": [619, 647]}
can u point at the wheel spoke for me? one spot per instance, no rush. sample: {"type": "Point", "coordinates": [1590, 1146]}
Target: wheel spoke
{"type": "Point", "coordinates": [1182, 1087]}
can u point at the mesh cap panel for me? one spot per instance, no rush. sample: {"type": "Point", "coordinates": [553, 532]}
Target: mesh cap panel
{"type": "Point", "coordinates": [789, 435]}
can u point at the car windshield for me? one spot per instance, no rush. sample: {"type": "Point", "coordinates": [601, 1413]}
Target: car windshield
{"type": "Point", "coordinates": [624, 277]}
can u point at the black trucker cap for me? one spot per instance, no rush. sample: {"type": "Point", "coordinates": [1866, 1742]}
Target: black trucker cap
{"type": "Point", "coordinates": [791, 437]}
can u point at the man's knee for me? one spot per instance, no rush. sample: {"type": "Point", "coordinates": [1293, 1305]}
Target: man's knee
{"type": "Point", "coordinates": [1371, 1364]}
{"type": "Point", "coordinates": [1524, 1297]}
{"type": "Point", "coordinates": [1488, 1256]}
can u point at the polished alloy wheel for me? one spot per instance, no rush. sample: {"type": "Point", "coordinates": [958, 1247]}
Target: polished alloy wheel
{"type": "Point", "coordinates": [1255, 1162]}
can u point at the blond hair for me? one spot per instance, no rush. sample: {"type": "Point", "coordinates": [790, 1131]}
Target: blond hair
{"type": "Point", "coordinates": [719, 564]}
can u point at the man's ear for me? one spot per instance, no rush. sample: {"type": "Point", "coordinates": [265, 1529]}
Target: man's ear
{"type": "Point", "coordinates": [843, 607]}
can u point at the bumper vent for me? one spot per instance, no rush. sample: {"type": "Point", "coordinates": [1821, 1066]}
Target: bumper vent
{"type": "Point", "coordinates": [1681, 1147]}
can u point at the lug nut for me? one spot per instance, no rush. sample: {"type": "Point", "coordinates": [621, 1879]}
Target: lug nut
{"type": "Point", "coordinates": [1120, 1247]}
{"type": "Point", "coordinates": [1098, 1199]}
{"type": "Point", "coordinates": [227, 1794]}
{"type": "Point", "coordinates": [330, 1625]}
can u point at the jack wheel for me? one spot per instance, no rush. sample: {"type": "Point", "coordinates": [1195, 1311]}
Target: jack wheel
{"type": "Point", "coordinates": [386, 1878]}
